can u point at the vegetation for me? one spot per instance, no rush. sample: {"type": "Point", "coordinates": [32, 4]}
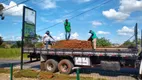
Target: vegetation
{"type": "Point", "coordinates": [102, 42]}
{"type": "Point", "coordinates": [4, 70]}
{"type": "Point", "coordinates": [49, 76]}
{"type": "Point", "coordinates": [12, 53]}
{"type": "Point", "coordinates": [5, 45]}
{"type": "Point", "coordinates": [39, 45]}
{"type": "Point", "coordinates": [130, 44]}
{"type": "Point", "coordinates": [1, 40]}
{"type": "Point", "coordinates": [17, 45]}
{"type": "Point", "coordinates": [30, 42]}
{"type": "Point", "coordinates": [26, 73]}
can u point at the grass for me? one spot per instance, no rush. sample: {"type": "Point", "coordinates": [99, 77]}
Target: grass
{"type": "Point", "coordinates": [4, 70]}
{"type": "Point", "coordinates": [28, 73]}
{"type": "Point", "coordinates": [11, 53]}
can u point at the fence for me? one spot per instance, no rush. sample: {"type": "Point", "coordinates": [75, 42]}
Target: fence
{"type": "Point", "coordinates": [96, 74]}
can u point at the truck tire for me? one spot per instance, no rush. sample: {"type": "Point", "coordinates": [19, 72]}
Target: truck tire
{"type": "Point", "coordinates": [65, 66]}
{"type": "Point", "coordinates": [51, 65]}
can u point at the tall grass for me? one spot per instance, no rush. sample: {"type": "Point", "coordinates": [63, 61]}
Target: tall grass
{"type": "Point", "coordinates": [12, 53]}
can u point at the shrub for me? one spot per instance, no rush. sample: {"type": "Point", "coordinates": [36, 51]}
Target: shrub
{"type": "Point", "coordinates": [39, 45]}
{"type": "Point", "coordinates": [5, 45]}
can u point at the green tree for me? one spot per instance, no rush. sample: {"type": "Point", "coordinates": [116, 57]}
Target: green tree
{"type": "Point", "coordinates": [129, 44]}
{"type": "Point", "coordinates": [139, 41]}
{"type": "Point", "coordinates": [102, 42]}
{"type": "Point", "coordinates": [18, 43]}
{"type": "Point", "coordinates": [1, 40]}
{"type": "Point", "coordinates": [38, 37]}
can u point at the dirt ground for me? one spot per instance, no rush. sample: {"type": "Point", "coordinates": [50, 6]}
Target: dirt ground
{"type": "Point", "coordinates": [4, 76]}
{"type": "Point", "coordinates": [94, 75]}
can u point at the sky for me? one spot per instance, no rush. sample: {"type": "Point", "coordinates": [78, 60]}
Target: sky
{"type": "Point", "coordinates": [112, 19]}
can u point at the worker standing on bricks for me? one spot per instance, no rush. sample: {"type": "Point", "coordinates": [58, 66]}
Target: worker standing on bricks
{"type": "Point", "coordinates": [47, 39]}
{"type": "Point", "coordinates": [67, 29]}
{"type": "Point", "coordinates": [93, 38]}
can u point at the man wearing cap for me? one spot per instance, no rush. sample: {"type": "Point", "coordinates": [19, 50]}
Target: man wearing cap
{"type": "Point", "coordinates": [47, 39]}
{"type": "Point", "coordinates": [93, 38]}
{"type": "Point", "coordinates": [67, 29]}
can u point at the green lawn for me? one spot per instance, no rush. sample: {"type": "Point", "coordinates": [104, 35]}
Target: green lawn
{"type": "Point", "coordinates": [12, 53]}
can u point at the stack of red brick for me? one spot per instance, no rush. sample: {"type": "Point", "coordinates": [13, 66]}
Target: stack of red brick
{"type": "Point", "coordinates": [72, 44]}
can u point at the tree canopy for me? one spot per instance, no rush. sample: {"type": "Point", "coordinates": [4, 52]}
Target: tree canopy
{"type": "Point", "coordinates": [102, 42]}
{"type": "Point", "coordinates": [1, 40]}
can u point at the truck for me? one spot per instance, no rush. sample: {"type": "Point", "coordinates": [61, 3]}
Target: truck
{"type": "Point", "coordinates": [65, 60]}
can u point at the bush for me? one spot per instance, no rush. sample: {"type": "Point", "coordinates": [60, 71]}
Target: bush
{"type": "Point", "coordinates": [128, 44]}
{"type": "Point", "coordinates": [14, 46]}
{"type": "Point", "coordinates": [5, 45]}
{"type": "Point", "coordinates": [39, 45]}
{"type": "Point", "coordinates": [1, 40]}
{"type": "Point", "coordinates": [102, 42]}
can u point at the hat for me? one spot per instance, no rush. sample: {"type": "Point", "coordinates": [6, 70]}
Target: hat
{"type": "Point", "coordinates": [90, 31]}
{"type": "Point", "coordinates": [47, 32]}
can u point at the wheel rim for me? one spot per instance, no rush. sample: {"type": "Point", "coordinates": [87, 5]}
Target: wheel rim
{"type": "Point", "coordinates": [49, 66]}
{"type": "Point", "coordinates": [64, 68]}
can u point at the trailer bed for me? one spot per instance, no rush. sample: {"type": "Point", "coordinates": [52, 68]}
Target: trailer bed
{"type": "Point", "coordinates": [119, 52]}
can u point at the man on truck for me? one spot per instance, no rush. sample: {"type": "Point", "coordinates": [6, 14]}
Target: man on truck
{"type": "Point", "coordinates": [47, 39]}
{"type": "Point", "coordinates": [67, 29]}
{"type": "Point", "coordinates": [93, 38]}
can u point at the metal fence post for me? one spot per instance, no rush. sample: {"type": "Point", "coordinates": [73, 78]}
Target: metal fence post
{"type": "Point", "coordinates": [77, 73]}
{"type": "Point", "coordinates": [11, 71]}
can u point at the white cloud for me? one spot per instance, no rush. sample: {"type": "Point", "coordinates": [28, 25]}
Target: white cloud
{"type": "Point", "coordinates": [59, 37]}
{"type": "Point", "coordinates": [112, 14]}
{"type": "Point", "coordinates": [47, 4]}
{"type": "Point", "coordinates": [61, 34]}
{"type": "Point", "coordinates": [18, 38]}
{"type": "Point", "coordinates": [17, 10]}
{"type": "Point", "coordinates": [12, 38]}
{"type": "Point", "coordinates": [0, 35]}
{"type": "Point", "coordinates": [57, 20]}
{"type": "Point", "coordinates": [96, 23]}
{"type": "Point", "coordinates": [128, 6]}
{"type": "Point", "coordinates": [125, 9]}
{"type": "Point", "coordinates": [125, 31]}
{"type": "Point", "coordinates": [82, 1]}
{"type": "Point", "coordinates": [74, 35]}
{"type": "Point", "coordinates": [103, 32]}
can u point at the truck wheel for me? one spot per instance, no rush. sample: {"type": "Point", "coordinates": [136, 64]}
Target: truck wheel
{"type": "Point", "coordinates": [51, 65]}
{"type": "Point", "coordinates": [139, 77]}
{"type": "Point", "coordinates": [65, 66]}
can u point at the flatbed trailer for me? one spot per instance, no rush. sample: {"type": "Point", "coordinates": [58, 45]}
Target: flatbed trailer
{"type": "Point", "coordinates": [109, 59]}
{"type": "Point", "coordinates": [65, 60]}
{"type": "Point", "coordinates": [110, 52]}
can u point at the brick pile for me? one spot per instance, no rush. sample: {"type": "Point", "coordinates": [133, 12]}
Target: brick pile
{"type": "Point", "coordinates": [72, 44]}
